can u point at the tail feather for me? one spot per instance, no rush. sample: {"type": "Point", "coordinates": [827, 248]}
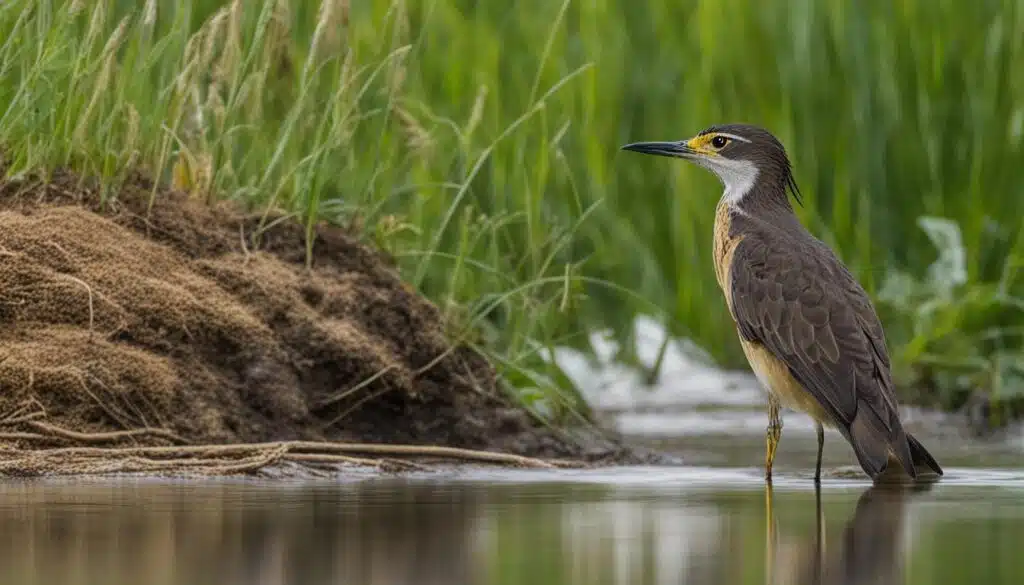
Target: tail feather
{"type": "Point", "coordinates": [921, 456]}
{"type": "Point", "coordinates": [901, 445]}
{"type": "Point", "coordinates": [875, 445]}
{"type": "Point", "coordinates": [870, 441]}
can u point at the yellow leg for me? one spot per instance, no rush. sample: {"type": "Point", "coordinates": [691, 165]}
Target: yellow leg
{"type": "Point", "coordinates": [769, 537]}
{"type": "Point", "coordinates": [773, 435]}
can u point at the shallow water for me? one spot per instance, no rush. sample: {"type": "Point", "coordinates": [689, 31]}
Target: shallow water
{"type": "Point", "coordinates": [642, 526]}
{"type": "Point", "coordinates": [709, 521]}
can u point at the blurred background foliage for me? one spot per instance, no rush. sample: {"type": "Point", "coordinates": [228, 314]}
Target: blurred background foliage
{"type": "Point", "coordinates": [478, 143]}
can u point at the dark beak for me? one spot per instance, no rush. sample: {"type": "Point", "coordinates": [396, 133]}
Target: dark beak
{"type": "Point", "coordinates": [673, 149]}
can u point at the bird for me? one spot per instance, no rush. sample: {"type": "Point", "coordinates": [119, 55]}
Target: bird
{"type": "Point", "coordinates": [806, 326]}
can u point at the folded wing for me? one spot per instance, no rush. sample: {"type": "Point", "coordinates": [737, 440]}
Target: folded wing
{"type": "Point", "coordinates": [801, 304]}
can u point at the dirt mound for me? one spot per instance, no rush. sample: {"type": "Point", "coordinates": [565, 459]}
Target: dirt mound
{"type": "Point", "coordinates": [180, 322]}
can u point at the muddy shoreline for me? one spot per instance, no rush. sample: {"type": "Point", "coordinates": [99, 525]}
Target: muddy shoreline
{"type": "Point", "coordinates": [135, 324]}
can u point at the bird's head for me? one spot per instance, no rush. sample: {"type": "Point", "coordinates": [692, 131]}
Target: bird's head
{"type": "Point", "coordinates": [741, 156]}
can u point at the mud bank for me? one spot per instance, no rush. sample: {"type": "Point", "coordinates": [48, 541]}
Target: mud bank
{"type": "Point", "coordinates": [155, 327]}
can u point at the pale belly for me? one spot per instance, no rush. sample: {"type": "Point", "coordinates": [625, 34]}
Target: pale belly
{"type": "Point", "coordinates": [772, 373]}
{"type": "Point", "coordinates": [775, 378]}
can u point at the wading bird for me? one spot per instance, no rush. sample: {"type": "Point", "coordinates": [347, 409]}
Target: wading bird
{"type": "Point", "coordinates": [806, 325]}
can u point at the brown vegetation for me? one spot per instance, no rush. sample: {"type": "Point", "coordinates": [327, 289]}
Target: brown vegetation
{"type": "Point", "coordinates": [141, 326]}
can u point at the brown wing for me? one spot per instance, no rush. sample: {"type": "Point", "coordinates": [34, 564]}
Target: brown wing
{"type": "Point", "coordinates": [798, 301]}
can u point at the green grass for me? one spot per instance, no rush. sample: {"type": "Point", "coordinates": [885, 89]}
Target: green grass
{"type": "Point", "coordinates": [478, 143]}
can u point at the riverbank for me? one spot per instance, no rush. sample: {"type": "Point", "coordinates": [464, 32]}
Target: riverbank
{"type": "Point", "coordinates": [482, 153]}
{"type": "Point", "coordinates": [163, 334]}
{"type": "Point", "coordinates": [488, 166]}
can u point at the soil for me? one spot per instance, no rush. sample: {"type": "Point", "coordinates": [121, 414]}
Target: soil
{"type": "Point", "coordinates": [146, 323]}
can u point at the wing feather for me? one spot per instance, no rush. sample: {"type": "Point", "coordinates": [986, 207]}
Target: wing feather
{"type": "Point", "coordinates": [801, 304]}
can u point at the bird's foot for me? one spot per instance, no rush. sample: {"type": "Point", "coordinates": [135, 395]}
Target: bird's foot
{"type": "Point", "coordinates": [772, 436]}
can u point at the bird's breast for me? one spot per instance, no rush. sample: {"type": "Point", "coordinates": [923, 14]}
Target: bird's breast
{"type": "Point", "coordinates": [724, 247]}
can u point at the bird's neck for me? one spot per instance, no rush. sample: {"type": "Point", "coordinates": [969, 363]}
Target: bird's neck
{"type": "Point", "coordinates": [753, 190]}
{"type": "Point", "coordinates": [768, 201]}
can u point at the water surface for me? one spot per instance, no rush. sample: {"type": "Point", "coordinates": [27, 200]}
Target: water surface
{"type": "Point", "coordinates": [642, 526]}
{"type": "Point", "coordinates": [708, 521]}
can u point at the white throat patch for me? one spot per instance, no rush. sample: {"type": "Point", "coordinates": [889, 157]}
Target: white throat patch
{"type": "Point", "coordinates": [738, 176]}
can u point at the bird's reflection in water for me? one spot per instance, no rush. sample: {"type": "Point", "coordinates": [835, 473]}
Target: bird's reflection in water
{"type": "Point", "coordinates": [429, 534]}
{"type": "Point", "coordinates": [870, 549]}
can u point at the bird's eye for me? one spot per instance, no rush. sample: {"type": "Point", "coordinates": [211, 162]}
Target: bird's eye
{"type": "Point", "coordinates": [719, 142]}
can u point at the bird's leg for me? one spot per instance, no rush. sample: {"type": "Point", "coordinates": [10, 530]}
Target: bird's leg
{"type": "Point", "coordinates": [821, 446]}
{"type": "Point", "coordinates": [773, 434]}
{"type": "Point", "coordinates": [769, 537]}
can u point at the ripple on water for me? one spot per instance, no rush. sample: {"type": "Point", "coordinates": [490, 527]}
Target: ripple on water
{"type": "Point", "coordinates": [719, 479]}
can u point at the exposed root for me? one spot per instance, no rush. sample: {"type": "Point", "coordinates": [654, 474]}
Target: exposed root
{"type": "Point", "coordinates": [92, 453]}
{"type": "Point", "coordinates": [109, 437]}
{"type": "Point", "coordinates": [26, 416]}
{"type": "Point", "coordinates": [254, 463]}
{"type": "Point", "coordinates": [216, 460]}
{"type": "Point", "coordinates": [327, 458]}
{"type": "Point", "coordinates": [20, 436]}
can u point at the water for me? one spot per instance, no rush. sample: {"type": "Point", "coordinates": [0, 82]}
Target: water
{"type": "Point", "coordinates": [615, 526]}
{"type": "Point", "coordinates": [711, 521]}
